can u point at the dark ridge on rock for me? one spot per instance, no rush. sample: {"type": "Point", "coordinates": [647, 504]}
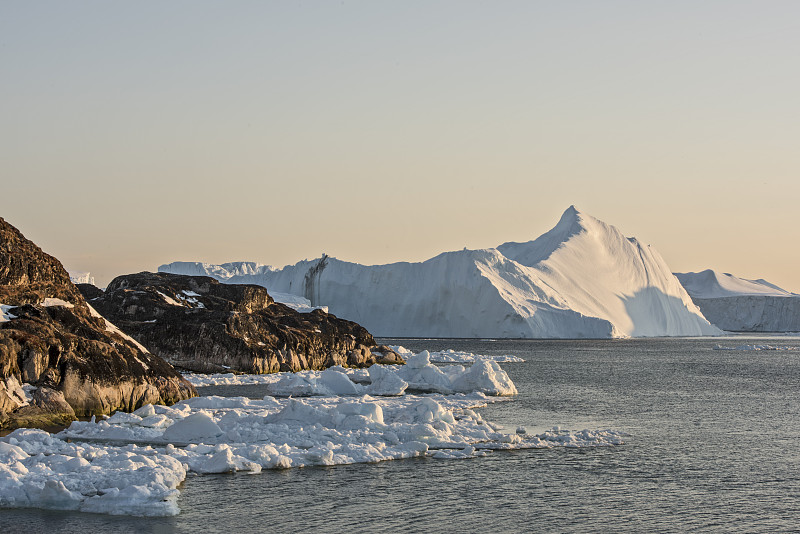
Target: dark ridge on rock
{"type": "Point", "coordinates": [27, 274]}
{"type": "Point", "coordinates": [199, 324]}
{"type": "Point", "coordinates": [80, 364]}
{"type": "Point", "coordinates": [89, 291]}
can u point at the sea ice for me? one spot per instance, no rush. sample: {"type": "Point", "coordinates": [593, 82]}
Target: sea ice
{"type": "Point", "coordinates": [132, 463]}
{"type": "Point", "coordinates": [220, 434]}
{"type": "Point", "coordinates": [196, 427]}
{"type": "Point", "coordinates": [452, 356]}
{"type": "Point", "coordinates": [385, 382]}
{"type": "Point", "coordinates": [756, 347]}
{"type": "Point", "coordinates": [484, 375]}
{"type": "Point", "coordinates": [38, 470]}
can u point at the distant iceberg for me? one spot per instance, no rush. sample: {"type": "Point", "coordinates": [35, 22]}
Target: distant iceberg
{"type": "Point", "coordinates": [80, 277]}
{"type": "Point", "coordinates": [582, 279]}
{"type": "Point", "coordinates": [741, 305]}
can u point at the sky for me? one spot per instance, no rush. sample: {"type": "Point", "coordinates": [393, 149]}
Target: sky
{"type": "Point", "coordinates": [134, 134]}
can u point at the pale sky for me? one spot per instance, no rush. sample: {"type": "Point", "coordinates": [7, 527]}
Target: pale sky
{"type": "Point", "coordinates": [138, 133]}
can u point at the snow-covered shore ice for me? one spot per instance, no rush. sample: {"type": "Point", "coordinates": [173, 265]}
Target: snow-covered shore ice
{"type": "Point", "coordinates": [418, 374]}
{"type": "Point", "coordinates": [359, 376]}
{"type": "Point", "coordinates": [132, 463]}
{"type": "Point", "coordinates": [38, 470]}
{"type": "Point", "coordinates": [454, 356]}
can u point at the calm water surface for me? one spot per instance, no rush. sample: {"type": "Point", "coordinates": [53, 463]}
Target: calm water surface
{"type": "Point", "coordinates": [714, 445]}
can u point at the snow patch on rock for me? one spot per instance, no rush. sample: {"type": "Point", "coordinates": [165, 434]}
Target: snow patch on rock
{"type": "Point", "coordinates": [5, 313]}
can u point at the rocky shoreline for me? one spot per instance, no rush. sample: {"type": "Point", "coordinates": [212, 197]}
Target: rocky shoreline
{"type": "Point", "coordinates": [59, 359]}
{"type": "Point", "coordinates": [68, 352]}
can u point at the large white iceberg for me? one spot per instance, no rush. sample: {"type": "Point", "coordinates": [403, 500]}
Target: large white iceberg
{"type": "Point", "coordinates": [582, 279]}
{"type": "Point", "coordinates": [741, 305]}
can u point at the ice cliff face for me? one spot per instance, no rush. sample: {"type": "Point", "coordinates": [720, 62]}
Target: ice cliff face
{"type": "Point", "coordinates": [582, 279]}
{"type": "Point", "coordinates": [741, 305]}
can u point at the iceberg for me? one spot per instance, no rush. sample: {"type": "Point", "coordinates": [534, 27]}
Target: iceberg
{"type": "Point", "coordinates": [80, 277]}
{"type": "Point", "coordinates": [740, 305]}
{"type": "Point", "coordinates": [582, 279]}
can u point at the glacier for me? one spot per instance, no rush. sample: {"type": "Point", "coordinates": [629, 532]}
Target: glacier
{"type": "Point", "coordinates": [740, 305]}
{"type": "Point", "coordinates": [581, 279]}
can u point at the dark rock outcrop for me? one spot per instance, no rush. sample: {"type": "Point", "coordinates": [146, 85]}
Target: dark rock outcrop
{"type": "Point", "coordinates": [50, 338]}
{"type": "Point", "coordinates": [199, 324]}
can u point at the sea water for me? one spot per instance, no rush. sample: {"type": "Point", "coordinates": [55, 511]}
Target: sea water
{"type": "Point", "coordinates": [713, 445]}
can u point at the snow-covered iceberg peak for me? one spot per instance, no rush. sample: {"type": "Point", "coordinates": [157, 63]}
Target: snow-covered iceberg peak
{"type": "Point", "coordinates": [583, 278]}
{"type": "Point", "coordinates": [572, 222]}
{"type": "Point", "coordinates": [599, 272]}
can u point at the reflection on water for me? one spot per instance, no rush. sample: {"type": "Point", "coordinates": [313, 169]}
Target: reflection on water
{"type": "Point", "coordinates": [713, 446]}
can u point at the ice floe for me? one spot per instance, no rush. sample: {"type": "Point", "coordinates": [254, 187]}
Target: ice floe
{"type": "Point", "coordinates": [38, 470]}
{"type": "Point", "coordinates": [484, 376]}
{"type": "Point", "coordinates": [756, 347]}
{"type": "Point", "coordinates": [309, 380]}
{"type": "Point", "coordinates": [453, 356]}
{"type": "Point", "coordinates": [132, 463]}
{"type": "Point", "coordinates": [419, 374]}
